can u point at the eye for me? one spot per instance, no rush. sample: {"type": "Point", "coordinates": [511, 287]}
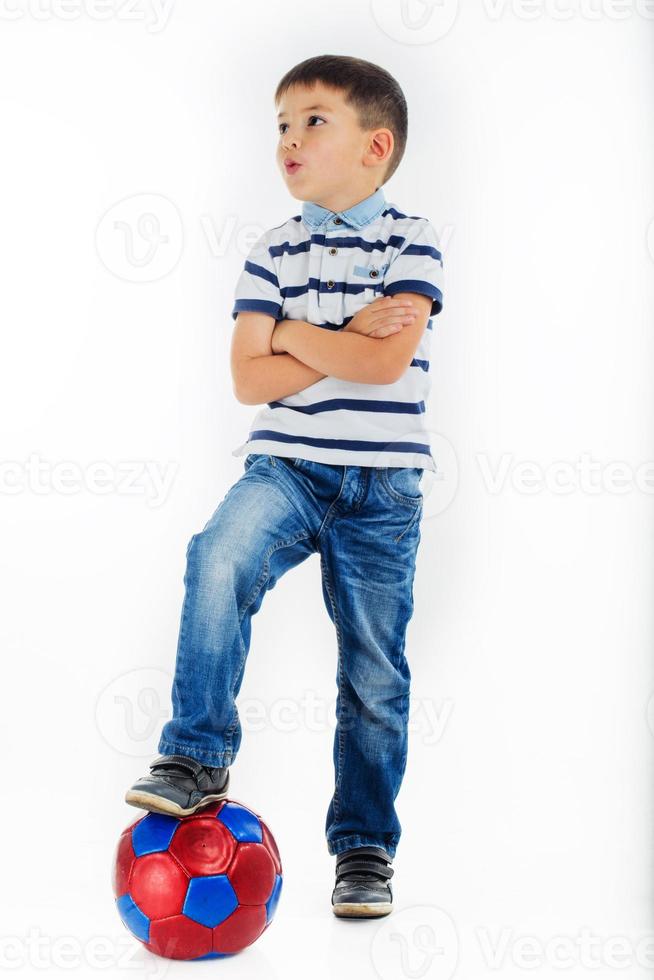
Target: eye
{"type": "Point", "coordinates": [281, 125]}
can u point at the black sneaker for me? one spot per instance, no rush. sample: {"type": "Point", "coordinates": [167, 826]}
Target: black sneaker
{"type": "Point", "coordinates": [363, 887]}
{"type": "Point", "coordinates": [178, 785]}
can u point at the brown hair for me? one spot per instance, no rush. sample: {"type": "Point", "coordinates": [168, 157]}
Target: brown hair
{"type": "Point", "coordinates": [369, 89]}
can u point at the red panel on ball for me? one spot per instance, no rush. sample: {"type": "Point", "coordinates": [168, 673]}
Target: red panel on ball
{"type": "Point", "coordinates": [203, 847]}
{"type": "Point", "coordinates": [242, 927]}
{"type": "Point", "coordinates": [269, 841]}
{"type": "Point", "coordinates": [252, 874]}
{"type": "Point", "coordinates": [123, 859]}
{"type": "Point", "coordinates": [179, 938]}
{"type": "Point", "coordinates": [158, 885]}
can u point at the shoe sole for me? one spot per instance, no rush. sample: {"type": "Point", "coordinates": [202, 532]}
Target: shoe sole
{"type": "Point", "coordinates": [159, 804]}
{"type": "Point", "coordinates": [361, 910]}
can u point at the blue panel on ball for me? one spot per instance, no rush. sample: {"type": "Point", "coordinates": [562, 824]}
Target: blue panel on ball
{"type": "Point", "coordinates": [271, 904]}
{"type": "Point", "coordinates": [243, 823]}
{"type": "Point", "coordinates": [212, 956]}
{"type": "Point", "coordinates": [135, 920]}
{"type": "Point", "coordinates": [153, 833]}
{"type": "Point", "coordinates": [209, 900]}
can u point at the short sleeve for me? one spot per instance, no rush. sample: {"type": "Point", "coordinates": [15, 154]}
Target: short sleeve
{"type": "Point", "coordinates": [418, 266]}
{"type": "Point", "coordinates": [257, 288]}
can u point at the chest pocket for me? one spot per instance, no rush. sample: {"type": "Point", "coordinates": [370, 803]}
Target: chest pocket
{"type": "Point", "coordinates": [372, 276]}
{"type": "Point", "coordinates": [372, 272]}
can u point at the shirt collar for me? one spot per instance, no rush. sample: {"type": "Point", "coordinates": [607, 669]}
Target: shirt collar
{"type": "Point", "coordinates": [314, 215]}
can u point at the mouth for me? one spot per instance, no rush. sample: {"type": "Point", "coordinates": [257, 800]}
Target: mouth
{"type": "Point", "coordinates": [291, 166]}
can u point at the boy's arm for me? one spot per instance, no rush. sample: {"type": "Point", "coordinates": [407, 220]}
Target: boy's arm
{"type": "Point", "coordinates": [258, 375]}
{"type": "Point", "coordinates": [353, 356]}
{"type": "Point", "coordinates": [416, 273]}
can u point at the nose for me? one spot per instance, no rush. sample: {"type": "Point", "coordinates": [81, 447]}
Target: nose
{"type": "Point", "coordinates": [288, 141]}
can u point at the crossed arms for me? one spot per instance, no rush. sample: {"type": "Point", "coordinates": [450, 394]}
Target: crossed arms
{"type": "Point", "coordinates": [272, 359]}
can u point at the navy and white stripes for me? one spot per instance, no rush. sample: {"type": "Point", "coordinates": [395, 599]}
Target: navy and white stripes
{"type": "Point", "coordinates": [323, 267]}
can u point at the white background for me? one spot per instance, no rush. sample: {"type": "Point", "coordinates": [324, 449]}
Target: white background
{"type": "Point", "coordinates": [526, 806]}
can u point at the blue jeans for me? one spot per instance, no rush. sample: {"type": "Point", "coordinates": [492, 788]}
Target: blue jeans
{"type": "Point", "coordinates": [364, 522]}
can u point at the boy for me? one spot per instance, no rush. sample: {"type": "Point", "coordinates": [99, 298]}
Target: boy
{"type": "Point", "coordinates": [333, 334]}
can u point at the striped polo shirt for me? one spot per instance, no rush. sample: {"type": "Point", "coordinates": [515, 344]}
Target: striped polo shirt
{"type": "Point", "coordinates": [323, 266]}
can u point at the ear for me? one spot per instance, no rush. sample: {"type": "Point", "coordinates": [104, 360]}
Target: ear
{"type": "Point", "coordinates": [400, 347]}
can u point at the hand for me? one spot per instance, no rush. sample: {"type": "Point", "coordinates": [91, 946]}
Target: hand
{"type": "Point", "coordinates": [277, 338]}
{"type": "Point", "coordinates": [382, 317]}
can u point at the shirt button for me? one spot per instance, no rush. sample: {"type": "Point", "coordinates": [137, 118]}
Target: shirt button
{"type": "Point", "coordinates": [333, 251]}
{"type": "Point", "coordinates": [373, 273]}
{"type": "Point", "coordinates": [338, 221]}
{"type": "Point", "coordinates": [330, 284]}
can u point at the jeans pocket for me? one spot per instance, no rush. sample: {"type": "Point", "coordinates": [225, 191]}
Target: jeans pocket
{"type": "Point", "coordinates": [402, 483]}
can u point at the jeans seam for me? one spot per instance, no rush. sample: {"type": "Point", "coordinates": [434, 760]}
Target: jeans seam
{"type": "Point", "coordinates": [265, 572]}
{"type": "Point", "coordinates": [332, 505]}
{"type": "Point", "coordinates": [339, 642]}
{"type": "Point", "coordinates": [289, 498]}
{"type": "Point", "coordinates": [258, 586]}
{"type": "Point", "coordinates": [363, 840]}
{"type": "Point", "coordinates": [412, 521]}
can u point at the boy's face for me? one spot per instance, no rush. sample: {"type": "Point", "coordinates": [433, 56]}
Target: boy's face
{"type": "Point", "coordinates": [336, 156]}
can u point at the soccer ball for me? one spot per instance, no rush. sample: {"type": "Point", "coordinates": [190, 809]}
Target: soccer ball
{"type": "Point", "coordinates": [197, 887]}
